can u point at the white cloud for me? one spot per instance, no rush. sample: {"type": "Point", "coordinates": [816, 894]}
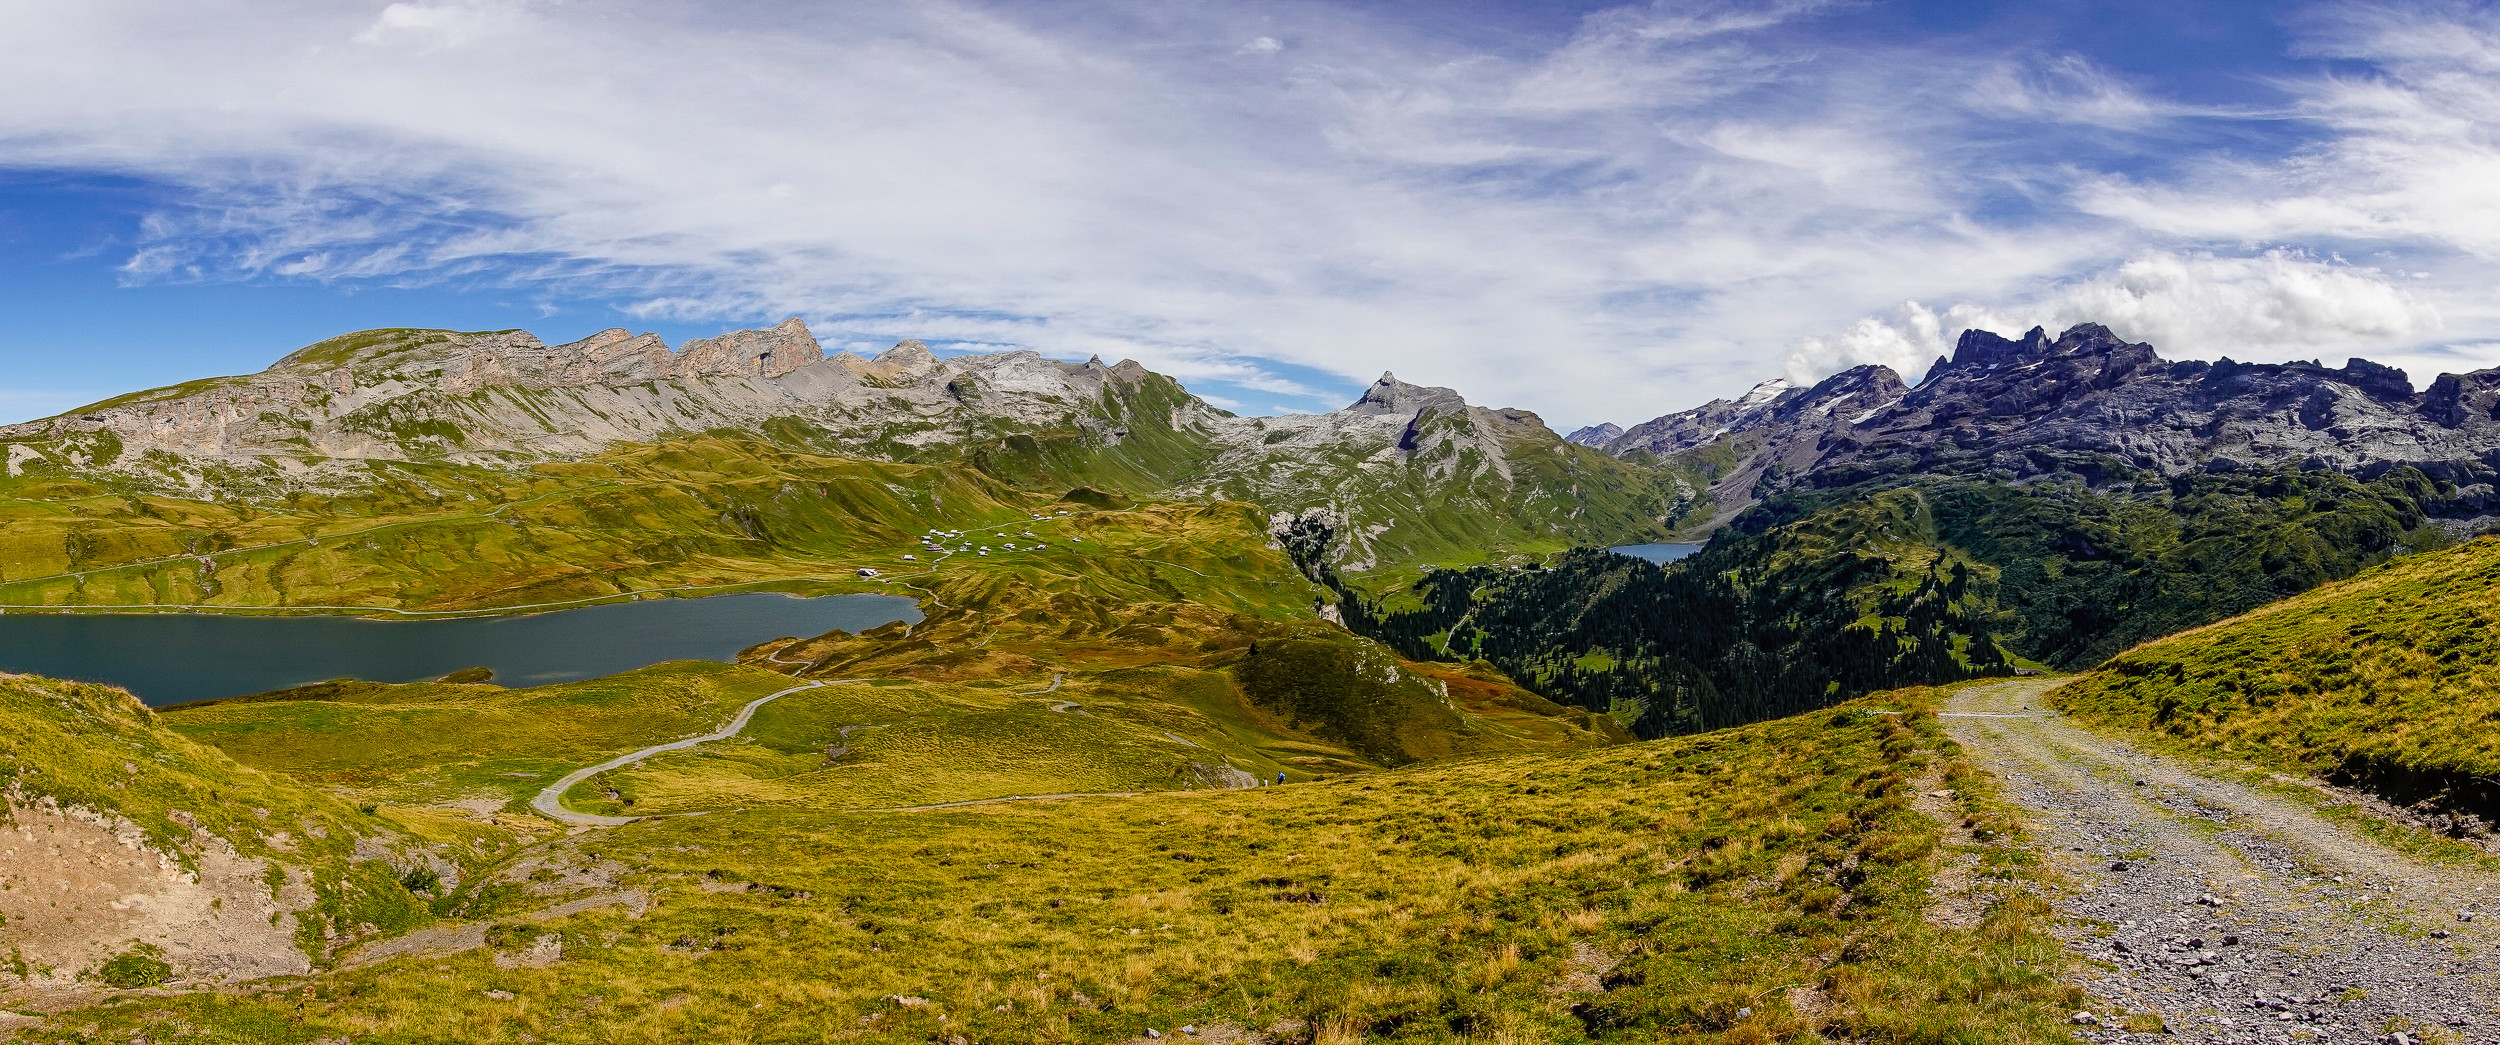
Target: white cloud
{"type": "Point", "coordinates": [432, 23]}
{"type": "Point", "coordinates": [1652, 211]}
{"type": "Point", "coordinates": [1906, 342]}
{"type": "Point", "coordinates": [2409, 152]}
{"type": "Point", "coordinates": [2188, 306]}
{"type": "Point", "coordinates": [2271, 305]}
{"type": "Point", "coordinates": [2069, 88]}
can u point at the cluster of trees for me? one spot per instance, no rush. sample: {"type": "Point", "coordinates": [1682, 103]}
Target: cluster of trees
{"type": "Point", "coordinates": [1709, 643]}
{"type": "Point", "coordinates": [1821, 596]}
{"type": "Point", "coordinates": [2084, 575]}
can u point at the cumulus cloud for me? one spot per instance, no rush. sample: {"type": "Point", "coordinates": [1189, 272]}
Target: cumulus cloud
{"type": "Point", "coordinates": [1664, 204]}
{"type": "Point", "coordinates": [2188, 306]}
{"type": "Point", "coordinates": [1904, 341]}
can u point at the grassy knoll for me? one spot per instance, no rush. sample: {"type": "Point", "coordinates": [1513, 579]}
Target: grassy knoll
{"type": "Point", "coordinates": [1758, 884]}
{"type": "Point", "coordinates": [2390, 678]}
{"type": "Point", "coordinates": [94, 747]}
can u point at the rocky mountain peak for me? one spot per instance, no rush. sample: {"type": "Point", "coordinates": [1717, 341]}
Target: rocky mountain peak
{"type": "Point", "coordinates": [1392, 396]}
{"type": "Point", "coordinates": [2378, 380]}
{"type": "Point", "coordinates": [1595, 435]}
{"type": "Point", "coordinates": [760, 353]}
{"type": "Point", "coordinates": [909, 352]}
{"type": "Point", "coordinates": [1986, 348]}
{"type": "Point", "coordinates": [1850, 395]}
{"type": "Point", "coordinates": [2092, 405]}
{"type": "Point", "coordinates": [1762, 394]}
{"type": "Point", "coordinates": [1983, 349]}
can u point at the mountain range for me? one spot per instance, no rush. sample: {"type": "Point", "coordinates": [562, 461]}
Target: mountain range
{"type": "Point", "coordinates": [1413, 472]}
{"type": "Point", "coordinates": [2086, 403]}
{"type": "Point", "coordinates": [961, 828]}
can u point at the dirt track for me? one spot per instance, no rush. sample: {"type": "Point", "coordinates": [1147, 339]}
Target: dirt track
{"type": "Point", "coordinates": [550, 802]}
{"type": "Point", "coordinates": [2231, 914]}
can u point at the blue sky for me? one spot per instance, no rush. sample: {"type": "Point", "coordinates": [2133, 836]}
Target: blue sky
{"type": "Point", "coordinates": [1596, 211]}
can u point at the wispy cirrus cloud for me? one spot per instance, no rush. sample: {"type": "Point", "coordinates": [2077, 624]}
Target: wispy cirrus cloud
{"type": "Point", "coordinates": [1669, 200]}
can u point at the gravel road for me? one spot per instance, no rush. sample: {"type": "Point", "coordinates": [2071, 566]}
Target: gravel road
{"type": "Point", "coordinates": [550, 802]}
{"type": "Point", "coordinates": [2230, 914]}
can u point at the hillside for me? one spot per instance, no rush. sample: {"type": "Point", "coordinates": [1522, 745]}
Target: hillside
{"type": "Point", "coordinates": [136, 857]}
{"type": "Point", "coordinates": [1767, 882]}
{"type": "Point", "coordinates": [2390, 680]}
{"type": "Point", "coordinates": [1817, 596]}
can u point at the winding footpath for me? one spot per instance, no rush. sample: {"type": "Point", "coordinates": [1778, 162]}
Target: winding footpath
{"type": "Point", "coordinates": [2232, 914]}
{"type": "Point", "coordinates": [550, 802]}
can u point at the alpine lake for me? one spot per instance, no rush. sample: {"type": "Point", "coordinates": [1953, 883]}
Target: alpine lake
{"type": "Point", "coordinates": [176, 658]}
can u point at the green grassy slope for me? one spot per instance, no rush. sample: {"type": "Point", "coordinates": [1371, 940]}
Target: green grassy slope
{"type": "Point", "coordinates": [1142, 619]}
{"type": "Point", "coordinates": [1766, 883]}
{"type": "Point", "coordinates": [432, 743]}
{"type": "Point", "coordinates": [1445, 505]}
{"type": "Point", "coordinates": [714, 510]}
{"type": "Point", "coordinates": [94, 747]}
{"type": "Point", "coordinates": [98, 754]}
{"type": "Point", "coordinates": [2390, 678]}
{"type": "Point", "coordinates": [700, 511]}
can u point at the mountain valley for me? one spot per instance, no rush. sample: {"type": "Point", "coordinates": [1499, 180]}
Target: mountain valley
{"type": "Point", "coordinates": [1317, 728]}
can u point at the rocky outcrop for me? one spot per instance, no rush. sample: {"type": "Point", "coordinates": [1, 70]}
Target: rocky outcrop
{"type": "Point", "coordinates": [501, 397]}
{"type": "Point", "coordinates": [81, 888]}
{"type": "Point", "coordinates": [2091, 404]}
{"type": "Point", "coordinates": [1409, 471]}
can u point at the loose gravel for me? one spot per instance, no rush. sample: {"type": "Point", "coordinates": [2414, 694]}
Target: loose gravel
{"type": "Point", "coordinates": [2211, 912]}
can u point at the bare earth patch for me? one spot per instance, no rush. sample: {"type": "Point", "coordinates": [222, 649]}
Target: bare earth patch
{"type": "Point", "coordinates": [78, 889]}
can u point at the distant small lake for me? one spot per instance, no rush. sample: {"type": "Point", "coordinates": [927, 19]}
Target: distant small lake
{"type": "Point", "coordinates": [1657, 553]}
{"type": "Point", "coordinates": [175, 658]}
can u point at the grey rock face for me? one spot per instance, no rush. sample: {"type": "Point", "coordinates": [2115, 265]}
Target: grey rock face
{"type": "Point", "coordinates": [1392, 396]}
{"type": "Point", "coordinates": [484, 398]}
{"type": "Point", "coordinates": [2090, 404]}
{"type": "Point", "coordinates": [1595, 435]}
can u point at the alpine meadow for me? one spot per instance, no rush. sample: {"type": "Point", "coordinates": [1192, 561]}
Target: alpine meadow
{"type": "Point", "coordinates": [1854, 536]}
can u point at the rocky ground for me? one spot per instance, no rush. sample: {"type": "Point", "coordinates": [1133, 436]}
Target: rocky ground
{"type": "Point", "coordinates": [2209, 911]}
